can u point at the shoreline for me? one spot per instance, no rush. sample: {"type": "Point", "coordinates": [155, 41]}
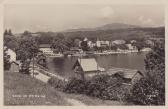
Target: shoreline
{"type": "Point", "coordinates": [97, 53]}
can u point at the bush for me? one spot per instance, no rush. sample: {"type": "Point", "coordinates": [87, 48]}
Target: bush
{"type": "Point", "coordinates": [101, 86]}
{"type": "Point", "coordinates": [150, 90]}
{"type": "Point", "coordinates": [145, 92]}
{"type": "Point", "coordinates": [75, 86]}
{"type": "Point", "coordinates": [56, 83]}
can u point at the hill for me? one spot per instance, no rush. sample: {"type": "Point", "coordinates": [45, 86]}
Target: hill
{"type": "Point", "coordinates": [124, 33]}
{"type": "Point", "coordinates": [111, 26]}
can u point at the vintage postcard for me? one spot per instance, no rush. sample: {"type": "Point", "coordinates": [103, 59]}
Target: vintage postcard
{"type": "Point", "coordinates": [83, 54]}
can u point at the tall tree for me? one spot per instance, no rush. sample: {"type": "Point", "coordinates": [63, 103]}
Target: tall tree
{"type": "Point", "coordinates": [5, 32]}
{"type": "Point", "coordinates": [28, 49]}
{"type": "Point", "coordinates": [59, 43]}
{"type": "Point", "coordinates": [10, 32]}
{"type": "Point", "coordinates": [84, 46]}
{"type": "Point", "coordinates": [150, 90]}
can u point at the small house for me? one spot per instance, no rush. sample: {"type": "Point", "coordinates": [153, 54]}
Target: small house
{"type": "Point", "coordinates": [130, 77]}
{"type": "Point", "coordinates": [11, 53]}
{"type": "Point", "coordinates": [15, 66]}
{"type": "Point", "coordinates": [84, 68]}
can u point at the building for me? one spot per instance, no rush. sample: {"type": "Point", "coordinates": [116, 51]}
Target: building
{"type": "Point", "coordinates": [131, 47]}
{"type": "Point", "coordinates": [86, 68]}
{"type": "Point", "coordinates": [90, 44]}
{"type": "Point", "coordinates": [118, 42]}
{"type": "Point", "coordinates": [46, 49]}
{"type": "Point", "coordinates": [15, 66]}
{"type": "Point", "coordinates": [11, 54]}
{"type": "Point", "coordinates": [102, 43]}
{"type": "Point", "coordinates": [129, 77]}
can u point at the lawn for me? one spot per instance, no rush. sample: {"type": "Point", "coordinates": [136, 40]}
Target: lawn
{"type": "Point", "coordinates": [22, 89]}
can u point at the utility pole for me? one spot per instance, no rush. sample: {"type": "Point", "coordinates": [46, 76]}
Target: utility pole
{"type": "Point", "coordinates": [33, 64]}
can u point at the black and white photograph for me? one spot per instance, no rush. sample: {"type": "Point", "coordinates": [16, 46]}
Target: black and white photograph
{"type": "Point", "coordinates": [84, 55]}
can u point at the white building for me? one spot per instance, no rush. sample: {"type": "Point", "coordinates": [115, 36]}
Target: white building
{"type": "Point", "coordinates": [45, 48]}
{"type": "Point", "coordinates": [118, 42]}
{"type": "Point", "coordinates": [102, 43]}
{"type": "Point", "coordinates": [11, 54]}
{"type": "Point", "coordinates": [90, 44]}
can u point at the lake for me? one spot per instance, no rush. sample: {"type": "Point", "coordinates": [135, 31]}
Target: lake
{"type": "Point", "coordinates": [63, 66]}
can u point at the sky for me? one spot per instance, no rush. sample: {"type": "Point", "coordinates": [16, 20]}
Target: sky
{"type": "Point", "coordinates": [59, 17]}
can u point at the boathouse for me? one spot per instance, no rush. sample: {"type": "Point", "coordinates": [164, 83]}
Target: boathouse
{"type": "Point", "coordinates": [86, 68]}
{"type": "Point", "coordinates": [130, 76]}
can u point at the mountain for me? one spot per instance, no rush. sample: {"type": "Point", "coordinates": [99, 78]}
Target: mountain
{"type": "Point", "coordinates": [112, 26]}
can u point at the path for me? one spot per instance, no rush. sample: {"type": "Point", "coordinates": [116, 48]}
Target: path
{"type": "Point", "coordinates": [44, 78]}
{"type": "Point", "coordinates": [74, 102]}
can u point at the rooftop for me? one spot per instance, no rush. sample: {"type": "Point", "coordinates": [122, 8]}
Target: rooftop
{"type": "Point", "coordinates": [88, 65]}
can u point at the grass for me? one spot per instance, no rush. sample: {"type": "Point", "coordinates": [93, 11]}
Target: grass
{"type": "Point", "coordinates": [17, 86]}
{"type": "Point", "coordinates": [93, 101]}
{"type": "Point", "coordinates": [21, 84]}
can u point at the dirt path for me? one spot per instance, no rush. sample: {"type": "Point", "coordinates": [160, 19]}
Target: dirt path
{"type": "Point", "coordinates": [74, 102]}
{"type": "Point", "coordinates": [45, 78]}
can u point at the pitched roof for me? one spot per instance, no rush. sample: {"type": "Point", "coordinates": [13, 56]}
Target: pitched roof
{"type": "Point", "coordinates": [44, 45]}
{"type": "Point", "coordinates": [89, 64]}
{"type": "Point", "coordinates": [16, 62]}
{"type": "Point", "coordinates": [126, 73]}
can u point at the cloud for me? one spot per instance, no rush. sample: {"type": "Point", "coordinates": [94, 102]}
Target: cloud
{"type": "Point", "coordinates": [107, 12]}
{"type": "Point", "coordinates": [146, 21]}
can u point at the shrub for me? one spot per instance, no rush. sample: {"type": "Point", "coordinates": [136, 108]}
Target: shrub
{"type": "Point", "coordinates": [150, 90]}
{"type": "Point", "coordinates": [56, 83]}
{"type": "Point", "coordinates": [101, 86]}
{"type": "Point", "coordinates": [75, 86]}
{"type": "Point", "coordinates": [145, 92]}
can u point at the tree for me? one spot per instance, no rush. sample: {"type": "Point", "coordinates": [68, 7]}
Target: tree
{"type": "Point", "coordinates": [6, 60]}
{"type": "Point", "coordinates": [76, 42]}
{"type": "Point", "coordinates": [26, 34]}
{"type": "Point", "coordinates": [59, 43]}
{"type": "Point", "coordinates": [11, 42]}
{"type": "Point", "coordinates": [6, 32]}
{"type": "Point", "coordinates": [84, 46]}
{"type": "Point", "coordinates": [10, 32]}
{"type": "Point", "coordinates": [150, 90]}
{"type": "Point", "coordinates": [27, 50]}
{"type": "Point", "coordinates": [139, 45]}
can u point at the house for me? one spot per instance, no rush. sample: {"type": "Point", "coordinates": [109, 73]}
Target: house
{"type": "Point", "coordinates": [10, 53]}
{"type": "Point", "coordinates": [46, 49]}
{"type": "Point", "coordinates": [118, 42]}
{"type": "Point", "coordinates": [102, 43]}
{"type": "Point", "coordinates": [129, 77]}
{"type": "Point", "coordinates": [131, 47]}
{"type": "Point", "coordinates": [84, 68]}
{"type": "Point", "coordinates": [15, 66]}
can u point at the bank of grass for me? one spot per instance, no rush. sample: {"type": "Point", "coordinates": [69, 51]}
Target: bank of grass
{"type": "Point", "coordinates": [22, 84]}
{"type": "Point", "coordinates": [17, 84]}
